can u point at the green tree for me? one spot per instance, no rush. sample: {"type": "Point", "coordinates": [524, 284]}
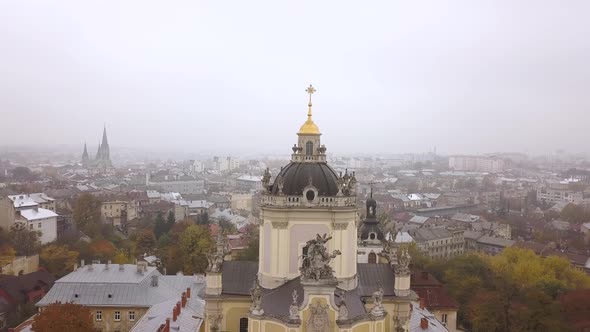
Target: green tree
{"type": "Point", "coordinates": [226, 225]}
{"type": "Point", "coordinates": [251, 252]}
{"type": "Point", "coordinates": [195, 242]}
{"type": "Point", "coordinates": [24, 241]}
{"type": "Point", "coordinates": [170, 220]}
{"type": "Point", "coordinates": [160, 226]}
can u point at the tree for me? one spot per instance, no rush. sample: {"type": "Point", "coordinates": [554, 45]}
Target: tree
{"type": "Point", "coordinates": [146, 242]}
{"type": "Point", "coordinates": [251, 252]}
{"type": "Point", "coordinates": [195, 242]}
{"type": "Point", "coordinates": [59, 260]}
{"type": "Point", "coordinates": [86, 214]}
{"type": "Point", "coordinates": [7, 254]}
{"type": "Point", "coordinates": [162, 226]}
{"type": "Point", "coordinates": [226, 225]}
{"type": "Point", "coordinates": [24, 241]}
{"type": "Point", "coordinates": [170, 220]}
{"type": "Point", "coordinates": [23, 174]}
{"type": "Point", "coordinates": [59, 317]}
{"type": "Point", "coordinates": [102, 250]}
{"type": "Point", "coordinates": [122, 257]}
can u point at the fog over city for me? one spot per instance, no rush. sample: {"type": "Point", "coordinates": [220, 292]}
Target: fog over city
{"type": "Point", "coordinates": [230, 77]}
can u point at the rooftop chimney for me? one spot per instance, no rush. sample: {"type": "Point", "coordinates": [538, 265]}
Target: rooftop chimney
{"type": "Point", "coordinates": [75, 266]}
{"type": "Point", "coordinates": [424, 323]}
{"type": "Point", "coordinates": [422, 303]}
{"type": "Point", "coordinates": [183, 299]}
{"type": "Point", "coordinates": [167, 325]}
{"type": "Point", "coordinates": [106, 266]}
{"type": "Point", "coordinates": [82, 263]}
{"type": "Point", "coordinates": [188, 292]}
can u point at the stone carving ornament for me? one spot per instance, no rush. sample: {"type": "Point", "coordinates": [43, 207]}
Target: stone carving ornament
{"type": "Point", "coordinates": [378, 309]}
{"type": "Point", "coordinates": [294, 308]}
{"type": "Point", "coordinates": [316, 261]}
{"type": "Point", "coordinates": [318, 321]}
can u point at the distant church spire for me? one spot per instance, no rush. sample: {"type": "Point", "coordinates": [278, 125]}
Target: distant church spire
{"type": "Point", "coordinates": [105, 141]}
{"type": "Point", "coordinates": [85, 158]}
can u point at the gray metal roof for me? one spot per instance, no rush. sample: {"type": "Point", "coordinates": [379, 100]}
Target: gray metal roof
{"type": "Point", "coordinates": [238, 277]}
{"type": "Point", "coordinates": [108, 273]}
{"type": "Point", "coordinates": [428, 234]}
{"type": "Point", "coordinates": [373, 276]}
{"type": "Point", "coordinates": [114, 287]}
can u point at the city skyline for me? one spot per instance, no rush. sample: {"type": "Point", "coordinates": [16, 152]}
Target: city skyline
{"type": "Point", "coordinates": [462, 77]}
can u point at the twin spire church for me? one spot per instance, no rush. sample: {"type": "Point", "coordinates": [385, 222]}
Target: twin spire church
{"type": "Point", "coordinates": [103, 154]}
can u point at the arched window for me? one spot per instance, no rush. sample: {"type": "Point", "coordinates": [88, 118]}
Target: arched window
{"type": "Point", "coordinates": [372, 236]}
{"type": "Point", "coordinates": [244, 324]}
{"type": "Point", "coordinates": [309, 148]}
{"type": "Point", "coordinates": [372, 258]}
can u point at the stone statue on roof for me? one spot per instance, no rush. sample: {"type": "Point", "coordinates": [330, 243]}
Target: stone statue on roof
{"type": "Point", "coordinates": [215, 258]}
{"type": "Point", "coordinates": [256, 295]}
{"type": "Point", "coordinates": [316, 259]}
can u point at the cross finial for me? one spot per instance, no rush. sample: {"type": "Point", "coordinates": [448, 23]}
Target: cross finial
{"type": "Point", "coordinates": [310, 90]}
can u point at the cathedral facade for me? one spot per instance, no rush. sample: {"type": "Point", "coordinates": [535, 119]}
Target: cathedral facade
{"type": "Point", "coordinates": [308, 278]}
{"type": "Point", "coordinates": [102, 158]}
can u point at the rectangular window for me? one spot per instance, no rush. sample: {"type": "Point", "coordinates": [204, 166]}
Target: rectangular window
{"type": "Point", "coordinates": [117, 316]}
{"type": "Point", "coordinates": [39, 225]}
{"type": "Point", "coordinates": [30, 226]}
{"type": "Point", "coordinates": [98, 316]}
{"type": "Point", "coordinates": [132, 315]}
{"type": "Point", "coordinates": [444, 319]}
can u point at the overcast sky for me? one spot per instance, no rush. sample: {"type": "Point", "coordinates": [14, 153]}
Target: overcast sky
{"type": "Point", "coordinates": [229, 76]}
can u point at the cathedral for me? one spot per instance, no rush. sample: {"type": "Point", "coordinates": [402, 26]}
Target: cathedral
{"type": "Point", "coordinates": [308, 277]}
{"type": "Point", "coordinates": [103, 154]}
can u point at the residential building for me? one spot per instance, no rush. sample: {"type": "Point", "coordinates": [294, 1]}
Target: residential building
{"type": "Point", "coordinates": [19, 291]}
{"type": "Point", "coordinates": [120, 295]}
{"type": "Point", "coordinates": [36, 211]}
{"type": "Point", "coordinates": [184, 184]}
{"type": "Point", "coordinates": [117, 213]}
{"type": "Point", "coordinates": [438, 242]}
{"type": "Point", "coordinates": [476, 164]}
{"type": "Point", "coordinates": [435, 297]}
{"type": "Point", "coordinates": [239, 201]}
{"type": "Point", "coordinates": [547, 194]}
{"type": "Point", "coordinates": [491, 245]}
{"type": "Point", "coordinates": [249, 182]}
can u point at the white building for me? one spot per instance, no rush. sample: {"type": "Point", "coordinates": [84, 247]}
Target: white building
{"type": "Point", "coordinates": [476, 164]}
{"type": "Point", "coordinates": [36, 210]}
{"type": "Point", "coordinates": [41, 220]}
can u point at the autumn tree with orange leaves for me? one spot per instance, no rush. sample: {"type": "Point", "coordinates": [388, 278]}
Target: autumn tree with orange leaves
{"type": "Point", "coordinates": [59, 317]}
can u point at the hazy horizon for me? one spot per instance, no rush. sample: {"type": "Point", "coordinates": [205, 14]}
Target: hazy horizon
{"type": "Point", "coordinates": [461, 76]}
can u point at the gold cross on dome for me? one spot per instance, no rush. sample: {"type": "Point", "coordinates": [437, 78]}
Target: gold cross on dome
{"type": "Point", "coordinates": [310, 90]}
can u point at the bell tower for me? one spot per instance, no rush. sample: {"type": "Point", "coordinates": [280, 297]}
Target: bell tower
{"type": "Point", "coordinates": [307, 198]}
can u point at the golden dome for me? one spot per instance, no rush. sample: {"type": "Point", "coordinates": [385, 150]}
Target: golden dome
{"type": "Point", "coordinates": [309, 127]}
